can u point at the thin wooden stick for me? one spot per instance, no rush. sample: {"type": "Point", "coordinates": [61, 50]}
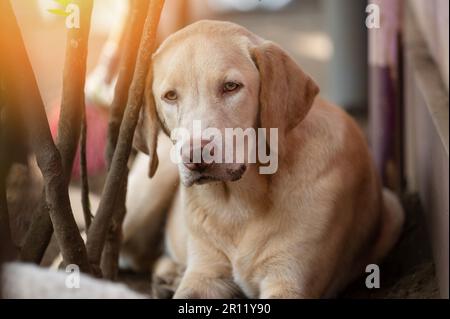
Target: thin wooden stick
{"type": "Point", "coordinates": [110, 255]}
{"type": "Point", "coordinates": [72, 106]}
{"type": "Point", "coordinates": [5, 229]}
{"type": "Point", "coordinates": [72, 120]}
{"type": "Point", "coordinates": [85, 202]}
{"type": "Point", "coordinates": [99, 228]}
{"type": "Point", "coordinates": [23, 91]}
{"type": "Point", "coordinates": [74, 78]}
{"type": "Point", "coordinates": [7, 250]}
{"type": "Point", "coordinates": [130, 42]}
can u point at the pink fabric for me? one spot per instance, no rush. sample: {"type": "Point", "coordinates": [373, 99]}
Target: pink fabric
{"type": "Point", "coordinates": [97, 125]}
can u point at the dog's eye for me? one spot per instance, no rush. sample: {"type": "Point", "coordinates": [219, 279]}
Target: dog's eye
{"type": "Point", "coordinates": [230, 87]}
{"type": "Point", "coordinates": [171, 96]}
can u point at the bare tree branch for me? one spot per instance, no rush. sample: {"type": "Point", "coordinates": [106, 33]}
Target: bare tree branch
{"type": "Point", "coordinates": [22, 90]}
{"type": "Point", "coordinates": [5, 229]}
{"type": "Point", "coordinates": [84, 174]}
{"type": "Point", "coordinates": [110, 256]}
{"type": "Point", "coordinates": [39, 234]}
{"type": "Point", "coordinates": [130, 42]}
{"type": "Point", "coordinates": [72, 108]}
{"type": "Point", "coordinates": [74, 78]}
{"type": "Point", "coordinates": [117, 173]}
{"type": "Point", "coordinates": [132, 38]}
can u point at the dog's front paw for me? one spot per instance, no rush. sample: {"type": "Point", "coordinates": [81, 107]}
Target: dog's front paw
{"type": "Point", "coordinates": [189, 294]}
{"type": "Point", "coordinates": [198, 287]}
{"type": "Point", "coordinates": [166, 278]}
{"type": "Point", "coordinates": [164, 286]}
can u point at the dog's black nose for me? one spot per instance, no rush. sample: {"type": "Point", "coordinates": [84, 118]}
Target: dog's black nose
{"type": "Point", "coordinates": [197, 167]}
{"type": "Point", "coordinates": [196, 162]}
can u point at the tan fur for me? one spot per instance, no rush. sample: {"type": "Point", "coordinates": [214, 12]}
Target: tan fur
{"type": "Point", "coordinates": [147, 203]}
{"type": "Point", "coordinates": [303, 232]}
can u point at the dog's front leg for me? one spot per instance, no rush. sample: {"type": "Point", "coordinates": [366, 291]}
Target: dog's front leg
{"type": "Point", "coordinates": [282, 290]}
{"type": "Point", "coordinates": [277, 287]}
{"type": "Point", "coordinates": [301, 274]}
{"type": "Point", "coordinates": [208, 275]}
{"type": "Point", "coordinates": [195, 285]}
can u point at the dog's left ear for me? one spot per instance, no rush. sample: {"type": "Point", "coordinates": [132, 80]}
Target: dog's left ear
{"type": "Point", "coordinates": [147, 129]}
{"type": "Point", "coordinates": [286, 92]}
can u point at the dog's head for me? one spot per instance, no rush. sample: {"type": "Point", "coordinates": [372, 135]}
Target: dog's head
{"type": "Point", "coordinates": [224, 77]}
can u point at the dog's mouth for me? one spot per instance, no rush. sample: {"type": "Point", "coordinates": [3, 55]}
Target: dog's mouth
{"type": "Point", "coordinates": [230, 175]}
{"type": "Point", "coordinates": [205, 180]}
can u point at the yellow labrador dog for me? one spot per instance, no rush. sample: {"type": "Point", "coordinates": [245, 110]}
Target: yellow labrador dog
{"type": "Point", "coordinates": [304, 231]}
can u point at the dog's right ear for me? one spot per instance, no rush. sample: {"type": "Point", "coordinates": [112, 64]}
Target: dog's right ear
{"type": "Point", "coordinates": [287, 93]}
{"type": "Point", "coordinates": [147, 129]}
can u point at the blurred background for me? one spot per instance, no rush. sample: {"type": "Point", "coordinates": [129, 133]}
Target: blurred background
{"type": "Point", "coordinates": [393, 79]}
{"type": "Point", "coordinates": [313, 32]}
